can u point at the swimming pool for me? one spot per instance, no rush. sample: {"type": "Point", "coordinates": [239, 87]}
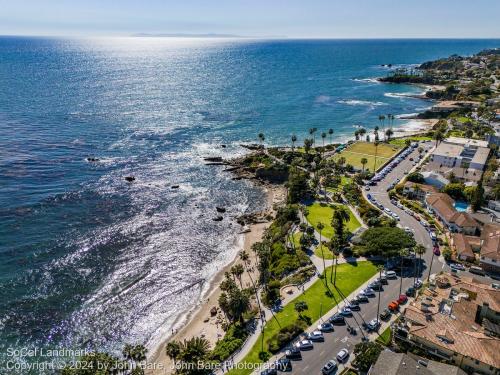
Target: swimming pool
{"type": "Point", "coordinates": [461, 206]}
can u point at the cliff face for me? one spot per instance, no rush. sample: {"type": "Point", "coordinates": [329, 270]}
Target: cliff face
{"type": "Point", "coordinates": [273, 175]}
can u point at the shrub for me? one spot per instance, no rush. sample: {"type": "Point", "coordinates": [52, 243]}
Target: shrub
{"type": "Point", "coordinates": [232, 341]}
{"type": "Point", "coordinates": [285, 335]}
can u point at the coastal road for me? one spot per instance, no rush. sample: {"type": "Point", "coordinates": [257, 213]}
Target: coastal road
{"type": "Point", "coordinates": [379, 192]}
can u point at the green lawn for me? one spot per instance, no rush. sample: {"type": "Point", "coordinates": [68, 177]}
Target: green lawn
{"type": "Point", "coordinates": [296, 239]}
{"type": "Point", "coordinates": [349, 278]}
{"type": "Point", "coordinates": [385, 337]}
{"type": "Point", "coordinates": [401, 141]}
{"type": "Point", "coordinates": [359, 150]}
{"type": "Point", "coordinates": [326, 252]}
{"type": "Point", "coordinates": [318, 213]}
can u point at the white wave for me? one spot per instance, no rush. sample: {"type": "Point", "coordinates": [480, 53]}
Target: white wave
{"type": "Point", "coordinates": [366, 80]}
{"type": "Point", "coordinates": [407, 115]}
{"type": "Point", "coordinates": [402, 94]}
{"type": "Point", "coordinates": [361, 102]}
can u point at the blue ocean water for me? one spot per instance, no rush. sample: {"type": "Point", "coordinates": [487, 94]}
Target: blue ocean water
{"type": "Point", "coordinates": [89, 260]}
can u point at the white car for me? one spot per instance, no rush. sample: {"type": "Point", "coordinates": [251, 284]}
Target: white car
{"type": "Point", "coordinates": [390, 274]}
{"type": "Point", "coordinates": [395, 216]}
{"type": "Point", "coordinates": [304, 345]}
{"type": "Point", "coordinates": [387, 210]}
{"type": "Point", "coordinates": [316, 336]}
{"type": "Point", "coordinates": [342, 355]}
{"type": "Point", "coordinates": [373, 324]}
{"type": "Point", "coordinates": [329, 367]}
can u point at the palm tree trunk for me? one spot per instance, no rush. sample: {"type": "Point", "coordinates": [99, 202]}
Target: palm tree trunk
{"type": "Point", "coordinates": [335, 277]}
{"type": "Point", "coordinates": [379, 292]}
{"type": "Point", "coordinates": [430, 267]}
{"type": "Point", "coordinates": [401, 278]}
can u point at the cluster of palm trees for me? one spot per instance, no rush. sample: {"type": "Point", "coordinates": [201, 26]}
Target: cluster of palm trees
{"type": "Point", "coordinates": [191, 353]}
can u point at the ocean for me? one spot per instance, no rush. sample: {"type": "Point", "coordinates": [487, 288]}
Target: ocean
{"type": "Point", "coordinates": [88, 260]}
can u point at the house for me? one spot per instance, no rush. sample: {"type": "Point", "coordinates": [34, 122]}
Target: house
{"type": "Point", "coordinates": [391, 363]}
{"type": "Point", "coordinates": [490, 248]}
{"type": "Point", "coordinates": [435, 179]}
{"type": "Point", "coordinates": [418, 191]}
{"type": "Point", "coordinates": [442, 206]}
{"type": "Point", "coordinates": [465, 158]}
{"type": "Point", "coordinates": [462, 247]}
{"type": "Point", "coordinates": [457, 321]}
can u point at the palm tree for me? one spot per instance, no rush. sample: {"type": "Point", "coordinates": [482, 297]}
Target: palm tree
{"type": "Point", "coordinates": [330, 131]}
{"type": "Point", "coordinates": [307, 145]}
{"type": "Point", "coordinates": [339, 218]}
{"type": "Point", "coordinates": [402, 254]}
{"type": "Point", "coordinates": [362, 131]}
{"type": "Point", "coordinates": [262, 138]}
{"type": "Point", "coordinates": [375, 160]}
{"type": "Point", "coordinates": [245, 258]}
{"type": "Point", "coordinates": [335, 247]}
{"type": "Point", "coordinates": [430, 267]}
{"type": "Point", "coordinates": [312, 132]}
{"type": "Point", "coordinates": [294, 139]}
{"type": "Point", "coordinates": [173, 349]}
{"type": "Point", "coordinates": [194, 349]}
{"type": "Point", "coordinates": [381, 118]}
{"type": "Point", "coordinates": [363, 162]}
{"type": "Point", "coordinates": [380, 269]}
{"type": "Point", "coordinates": [356, 135]}
{"type": "Point", "coordinates": [323, 135]}
{"type": "Point", "coordinates": [389, 134]}
{"type": "Point", "coordinates": [341, 161]}
{"type": "Point", "coordinates": [419, 250]}
{"type": "Point", "coordinates": [237, 270]}
{"type": "Point", "coordinates": [300, 307]}
{"type": "Point", "coordinates": [320, 227]}
{"type": "Point", "coordinates": [438, 136]}
{"type": "Point", "coordinates": [375, 132]}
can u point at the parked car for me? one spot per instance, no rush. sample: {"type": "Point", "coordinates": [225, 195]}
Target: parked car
{"type": "Point", "coordinates": [393, 306]}
{"type": "Point", "coordinates": [362, 298]}
{"type": "Point", "coordinates": [418, 283]}
{"type": "Point", "coordinates": [326, 327]}
{"type": "Point", "coordinates": [457, 266]}
{"type": "Point", "coordinates": [369, 292]}
{"type": "Point", "coordinates": [283, 364]}
{"type": "Point", "coordinates": [342, 355]}
{"type": "Point", "coordinates": [390, 274]}
{"type": "Point", "coordinates": [402, 299]}
{"type": "Point", "coordinates": [436, 251]}
{"type": "Point", "coordinates": [373, 325]}
{"type": "Point", "coordinates": [337, 319]}
{"type": "Point", "coordinates": [386, 314]}
{"type": "Point", "coordinates": [304, 345]}
{"type": "Point", "coordinates": [346, 311]}
{"type": "Point", "coordinates": [293, 353]}
{"type": "Point", "coordinates": [329, 367]}
{"type": "Point", "coordinates": [316, 336]}
{"type": "Point", "coordinates": [382, 279]}
{"type": "Point", "coordinates": [353, 305]}
{"type": "Point", "coordinates": [477, 270]}
{"type": "Point", "coordinates": [270, 371]}
{"type": "Point", "coordinates": [410, 292]}
{"type": "Point", "coordinates": [375, 285]}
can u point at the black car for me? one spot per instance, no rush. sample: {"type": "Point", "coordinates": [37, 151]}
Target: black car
{"type": "Point", "coordinates": [362, 298]}
{"type": "Point", "coordinates": [293, 353]}
{"type": "Point", "coordinates": [354, 306]}
{"type": "Point", "coordinates": [337, 319]}
{"type": "Point", "coordinates": [283, 364]}
{"type": "Point", "coordinates": [410, 292]}
{"type": "Point", "coordinates": [386, 314]}
{"type": "Point", "coordinates": [270, 371]}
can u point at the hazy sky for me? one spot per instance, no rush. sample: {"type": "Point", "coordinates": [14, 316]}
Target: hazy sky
{"type": "Point", "coordinates": [292, 18]}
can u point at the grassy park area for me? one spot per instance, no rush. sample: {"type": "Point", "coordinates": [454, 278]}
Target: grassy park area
{"type": "Point", "coordinates": [318, 213]}
{"type": "Point", "coordinates": [349, 278]}
{"type": "Point", "coordinates": [344, 180]}
{"type": "Point", "coordinates": [354, 153]}
{"type": "Point", "coordinates": [401, 141]}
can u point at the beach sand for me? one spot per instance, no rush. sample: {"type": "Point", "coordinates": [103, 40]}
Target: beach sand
{"type": "Point", "coordinates": [200, 321]}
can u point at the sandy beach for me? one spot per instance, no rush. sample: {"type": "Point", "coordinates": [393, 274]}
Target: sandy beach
{"type": "Point", "coordinates": [200, 321]}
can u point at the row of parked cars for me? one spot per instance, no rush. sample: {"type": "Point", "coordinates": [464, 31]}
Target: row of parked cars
{"type": "Point", "coordinates": [388, 168]}
{"type": "Point", "coordinates": [307, 342]}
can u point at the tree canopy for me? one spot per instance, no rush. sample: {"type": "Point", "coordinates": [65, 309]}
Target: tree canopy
{"type": "Point", "coordinates": [385, 241]}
